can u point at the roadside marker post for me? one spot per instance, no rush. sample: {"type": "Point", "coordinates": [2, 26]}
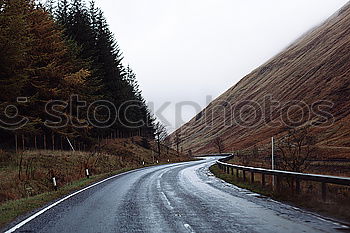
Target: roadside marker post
{"type": "Point", "coordinates": [87, 173]}
{"type": "Point", "coordinates": [54, 183]}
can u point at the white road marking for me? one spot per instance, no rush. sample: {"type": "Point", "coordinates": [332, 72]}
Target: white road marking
{"type": "Point", "coordinates": [21, 224]}
{"type": "Point", "coordinates": [189, 228]}
{"type": "Point", "coordinates": [167, 200]}
{"type": "Point", "coordinates": [329, 221]}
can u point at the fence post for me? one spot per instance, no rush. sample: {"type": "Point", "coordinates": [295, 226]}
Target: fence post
{"type": "Point", "coordinates": [297, 185]}
{"type": "Point", "coordinates": [23, 144]}
{"type": "Point", "coordinates": [35, 143]}
{"type": "Point", "coordinates": [237, 173]}
{"type": "Point", "coordinates": [53, 141]}
{"type": "Point", "coordinates": [44, 142]}
{"type": "Point", "coordinates": [252, 177]}
{"type": "Point", "coordinates": [263, 180]}
{"type": "Point", "coordinates": [324, 191]}
{"type": "Point", "coordinates": [244, 178]}
{"type": "Point", "coordinates": [278, 183]}
{"type": "Point", "coordinates": [16, 143]}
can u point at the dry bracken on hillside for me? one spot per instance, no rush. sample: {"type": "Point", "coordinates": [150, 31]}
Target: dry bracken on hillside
{"type": "Point", "coordinates": [310, 74]}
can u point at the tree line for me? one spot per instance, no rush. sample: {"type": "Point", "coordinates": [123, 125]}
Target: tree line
{"type": "Point", "coordinates": [64, 54]}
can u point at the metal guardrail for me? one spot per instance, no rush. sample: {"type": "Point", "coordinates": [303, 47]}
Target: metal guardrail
{"type": "Point", "coordinates": [278, 174]}
{"type": "Point", "coordinates": [207, 155]}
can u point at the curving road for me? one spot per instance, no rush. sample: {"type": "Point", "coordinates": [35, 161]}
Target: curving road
{"type": "Point", "coordinates": [182, 197]}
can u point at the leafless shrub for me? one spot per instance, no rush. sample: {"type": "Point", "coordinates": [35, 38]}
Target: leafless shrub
{"type": "Point", "coordinates": [296, 149]}
{"type": "Point", "coordinates": [178, 141]}
{"type": "Point", "coordinates": [219, 144]}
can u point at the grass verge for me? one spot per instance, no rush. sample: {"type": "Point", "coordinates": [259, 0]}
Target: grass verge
{"type": "Point", "coordinates": [233, 180]}
{"type": "Point", "coordinates": [338, 211]}
{"type": "Point", "coordinates": [10, 210]}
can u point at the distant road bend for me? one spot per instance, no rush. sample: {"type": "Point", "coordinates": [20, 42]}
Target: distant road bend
{"type": "Point", "coordinates": [183, 197]}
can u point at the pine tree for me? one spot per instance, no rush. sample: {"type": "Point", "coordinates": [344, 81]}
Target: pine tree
{"type": "Point", "coordinates": [44, 60]}
{"type": "Point", "coordinates": [141, 112]}
{"type": "Point", "coordinates": [15, 42]}
{"type": "Point", "coordinates": [50, 6]}
{"type": "Point", "coordinates": [76, 23]}
{"type": "Point", "coordinates": [54, 72]}
{"type": "Point", "coordinates": [79, 28]}
{"type": "Point", "coordinates": [62, 12]}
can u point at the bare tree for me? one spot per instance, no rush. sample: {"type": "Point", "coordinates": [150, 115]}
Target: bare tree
{"type": "Point", "coordinates": [167, 144]}
{"type": "Point", "coordinates": [161, 134]}
{"type": "Point", "coordinates": [296, 149]}
{"type": "Point", "coordinates": [190, 153]}
{"type": "Point", "coordinates": [178, 141]}
{"type": "Point", "coordinates": [219, 144]}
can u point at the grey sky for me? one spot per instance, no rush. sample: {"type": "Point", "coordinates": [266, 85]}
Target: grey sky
{"type": "Point", "coordinates": [185, 50]}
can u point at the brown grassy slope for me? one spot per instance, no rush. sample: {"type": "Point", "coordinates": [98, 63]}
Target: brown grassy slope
{"type": "Point", "coordinates": [316, 67]}
{"type": "Point", "coordinates": [38, 167]}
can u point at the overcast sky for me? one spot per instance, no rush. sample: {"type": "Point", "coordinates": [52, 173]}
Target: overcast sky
{"type": "Point", "coordinates": [186, 50]}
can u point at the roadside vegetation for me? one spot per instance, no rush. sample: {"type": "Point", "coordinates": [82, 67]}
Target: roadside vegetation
{"type": "Point", "coordinates": [337, 204]}
{"type": "Point", "coordinates": [297, 150]}
{"type": "Point", "coordinates": [63, 80]}
{"type": "Point", "coordinates": [26, 177]}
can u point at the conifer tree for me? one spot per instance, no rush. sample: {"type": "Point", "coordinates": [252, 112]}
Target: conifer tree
{"type": "Point", "coordinates": [55, 72]}
{"type": "Point", "coordinates": [58, 50]}
{"type": "Point", "coordinates": [14, 40]}
{"type": "Point", "coordinates": [62, 12]}
{"type": "Point", "coordinates": [14, 46]}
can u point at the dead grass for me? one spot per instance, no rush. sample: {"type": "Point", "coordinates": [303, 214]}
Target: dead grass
{"type": "Point", "coordinates": [10, 210]}
{"type": "Point", "coordinates": [314, 68]}
{"type": "Point", "coordinates": [337, 204]}
{"type": "Point", "coordinates": [26, 177]}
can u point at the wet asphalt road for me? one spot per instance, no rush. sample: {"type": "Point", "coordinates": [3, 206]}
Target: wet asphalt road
{"type": "Point", "coordinates": [182, 197]}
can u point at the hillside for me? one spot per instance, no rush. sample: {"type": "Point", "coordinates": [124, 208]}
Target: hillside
{"type": "Point", "coordinates": [315, 68]}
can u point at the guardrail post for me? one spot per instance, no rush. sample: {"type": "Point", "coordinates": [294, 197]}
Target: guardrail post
{"type": "Point", "coordinates": [324, 191]}
{"type": "Point", "coordinates": [277, 177]}
{"type": "Point", "coordinates": [277, 184]}
{"type": "Point", "coordinates": [297, 185]}
{"type": "Point", "coordinates": [263, 180]}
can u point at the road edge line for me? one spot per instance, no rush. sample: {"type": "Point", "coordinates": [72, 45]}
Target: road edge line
{"type": "Point", "coordinates": [27, 220]}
